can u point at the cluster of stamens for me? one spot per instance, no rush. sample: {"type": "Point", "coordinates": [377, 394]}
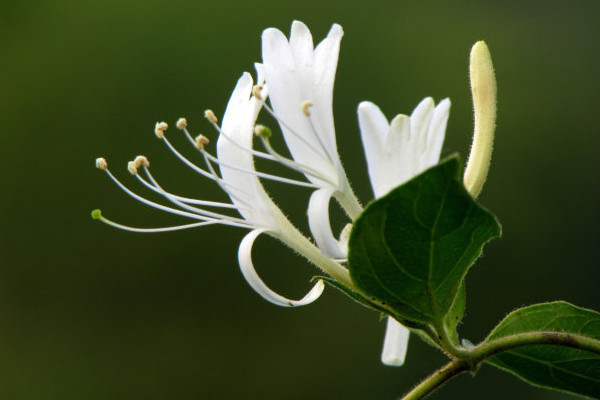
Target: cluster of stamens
{"type": "Point", "coordinates": [188, 207]}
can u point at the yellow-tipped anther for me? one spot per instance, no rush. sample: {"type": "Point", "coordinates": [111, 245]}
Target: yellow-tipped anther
{"type": "Point", "coordinates": [101, 163]}
{"type": "Point", "coordinates": [262, 131]}
{"type": "Point", "coordinates": [132, 167]}
{"type": "Point", "coordinates": [256, 91]}
{"type": "Point", "coordinates": [96, 214]}
{"type": "Point", "coordinates": [483, 90]}
{"type": "Point", "coordinates": [181, 123]}
{"type": "Point", "coordinates": [141, 161]}
{"type": "Point", "coordinates": [160, 129]}
{"type": "Point", "coordinates": [210, 115]}
{"type": "Point", "coordinates": [201, 141]}
{"type": "Point", "coordinates": [306, 105]}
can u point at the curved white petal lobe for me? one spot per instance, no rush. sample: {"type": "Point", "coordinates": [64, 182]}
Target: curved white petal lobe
{"type": "Point", "coordinates": [395, 343]}
{"type": "Point", "coordinates": [318, 221]}
{"type": "Point", "coordinates": [249, 272]}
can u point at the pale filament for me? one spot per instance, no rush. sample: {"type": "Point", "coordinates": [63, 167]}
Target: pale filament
{"type": "Point", "coordinates": [173, 210]}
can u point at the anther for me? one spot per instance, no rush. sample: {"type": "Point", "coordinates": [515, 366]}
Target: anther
{"type": "Point", "coordinates": [201, 141]}
{"type": "Point", "coordinates": [262, 131]}
{"type": "Point", "coordinates": [210, 115]}
{"type": "Point", "coordinates": [160, 129]}
{"type": "Point", "coordinates": [101, 163]}
{"type": "Point", "coordinates": [256, 91]}
{"type": "Point", "coordinates": [181, 123]}
{"type": "Point", "coordinates": [305, 107]}
{"type": "Point", "coordinates": [141, 161]}
{"type": "Point", "coordinates": [132, 167]}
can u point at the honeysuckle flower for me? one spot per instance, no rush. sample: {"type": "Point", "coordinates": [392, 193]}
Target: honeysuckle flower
{"type": "Point", "coordinates": [396, 152]}
{"type": "Point", "coordinates": [240, 180]}
{"type": "Point", "coordinates": [399, 150]}
{"type": "Point", "coordinates": [300, 78]}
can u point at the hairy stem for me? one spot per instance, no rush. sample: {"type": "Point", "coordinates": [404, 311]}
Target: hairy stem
{"type": "Point", "coordinates": [473, 357]}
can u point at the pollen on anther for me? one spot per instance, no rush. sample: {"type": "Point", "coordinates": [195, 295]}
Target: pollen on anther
{"type": "Point", "coordinates": [256, 91]}
{"type": "Point", "coordinates": [201, 141]}
{"type": "Point", "coordinates": [305, 107]}
{"type": "Point", "coordinates": [132, 167]}
{"type": "Point", "coordinates": [101, 163]}
{"type": "Point", "coordinates": [181, 123]}
{"type": "Point", "coordinates": [210, 115]}
{"type": "Point", "coordinates": [160, 129]}
{"type": "Point", "coordinates": [141, 161]}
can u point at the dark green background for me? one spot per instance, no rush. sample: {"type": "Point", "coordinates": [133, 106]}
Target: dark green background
{"type": "Point", "coordinates": [89, 312]}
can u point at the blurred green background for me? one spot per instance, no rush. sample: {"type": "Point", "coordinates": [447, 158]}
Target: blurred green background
{"type": "Point", "coordinates": [89, 312]}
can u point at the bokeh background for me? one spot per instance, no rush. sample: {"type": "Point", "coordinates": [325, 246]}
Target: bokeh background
{"type": "Point", "coordinates": [90, 312]}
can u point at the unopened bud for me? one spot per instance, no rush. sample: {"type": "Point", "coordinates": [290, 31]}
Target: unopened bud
{"type": "Point", "coordinates": [483, 90]}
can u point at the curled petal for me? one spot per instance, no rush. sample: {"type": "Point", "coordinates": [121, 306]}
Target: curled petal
{"type": "Point", "coordinates": [247, 268]}
{"type": "Point", "coordinates": [395, 344]}
{"type": "Point", "coordinates": [318, 221]}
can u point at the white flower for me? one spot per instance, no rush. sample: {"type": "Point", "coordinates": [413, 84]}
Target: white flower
{"type": "Point", "coordinates": [239, 179]}
{"type": "Point", "coordinates": [300, 79]}
{"type": "Point", "coordinates": [397, 152]}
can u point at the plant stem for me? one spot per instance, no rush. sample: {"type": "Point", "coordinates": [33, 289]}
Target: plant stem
{"type": "Point", "coordinates": [437, 379]}
{"type": "Point", "coordinates": [478, 354]}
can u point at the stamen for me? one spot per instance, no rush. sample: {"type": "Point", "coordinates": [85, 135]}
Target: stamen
{"type": "Point", "coordinates": [259, 174]}
{"type": "Point", "coordinates": [293, 165]}
{"type": "Point", "coordinates": [169, 209]}
{"type": "Point", "coordinates": [298, 136]}
{"type": "Point", "coordinates": [101, 163]}
{"type": "Point", "coordinates": [97, 215]}
{"type": "Point", "coordinates": [181, 123]}
{"type": "Point", "coordinates": [132, 167]}
{"type": "Point", "coordinates": [201, 141]}
{"type": "Point", "coordinates": [210, 115]}
{"type": "Point", "coordinates": [160, 129]}
{"type": "Point", "coordinates": [251, 151]}
{"type": "Point", "coordinates": [256, 89]}
{"type": "Point", "coordinates": [205, 203]}
{"type": "Point", "coordinates": [305, 107]}
{"type": "Point", "coordinates": [158, 189]}
{"type": "Point", "coordinates": [141, 161]}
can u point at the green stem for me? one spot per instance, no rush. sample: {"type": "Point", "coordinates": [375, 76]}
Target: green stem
{"type": "Point", "coordinates": [478, 354]}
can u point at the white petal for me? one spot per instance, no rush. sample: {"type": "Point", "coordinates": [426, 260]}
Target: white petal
{"type": "Point", "coordinates": [244, 188]}
{"type": "Point", "coordinates": [301, 43]}
{"type": "Point", "coordinates": [247, 268]}
{"type": "Point", "coordinates": [294, 75]}
{"type": "Point", "coordinates": [437, 132]}
{"type": "Point", "coordinates": [395, 344]}
{"type": "Point", "coordinates": [420, 120]}
{"type": "Point", "coordinates": [318, 221]}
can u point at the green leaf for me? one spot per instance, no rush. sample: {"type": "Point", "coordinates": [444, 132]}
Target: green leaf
{"type": "Point", "coordinates": [554, 367]}
{"type": "Point", "coordinates": [412, 248]}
